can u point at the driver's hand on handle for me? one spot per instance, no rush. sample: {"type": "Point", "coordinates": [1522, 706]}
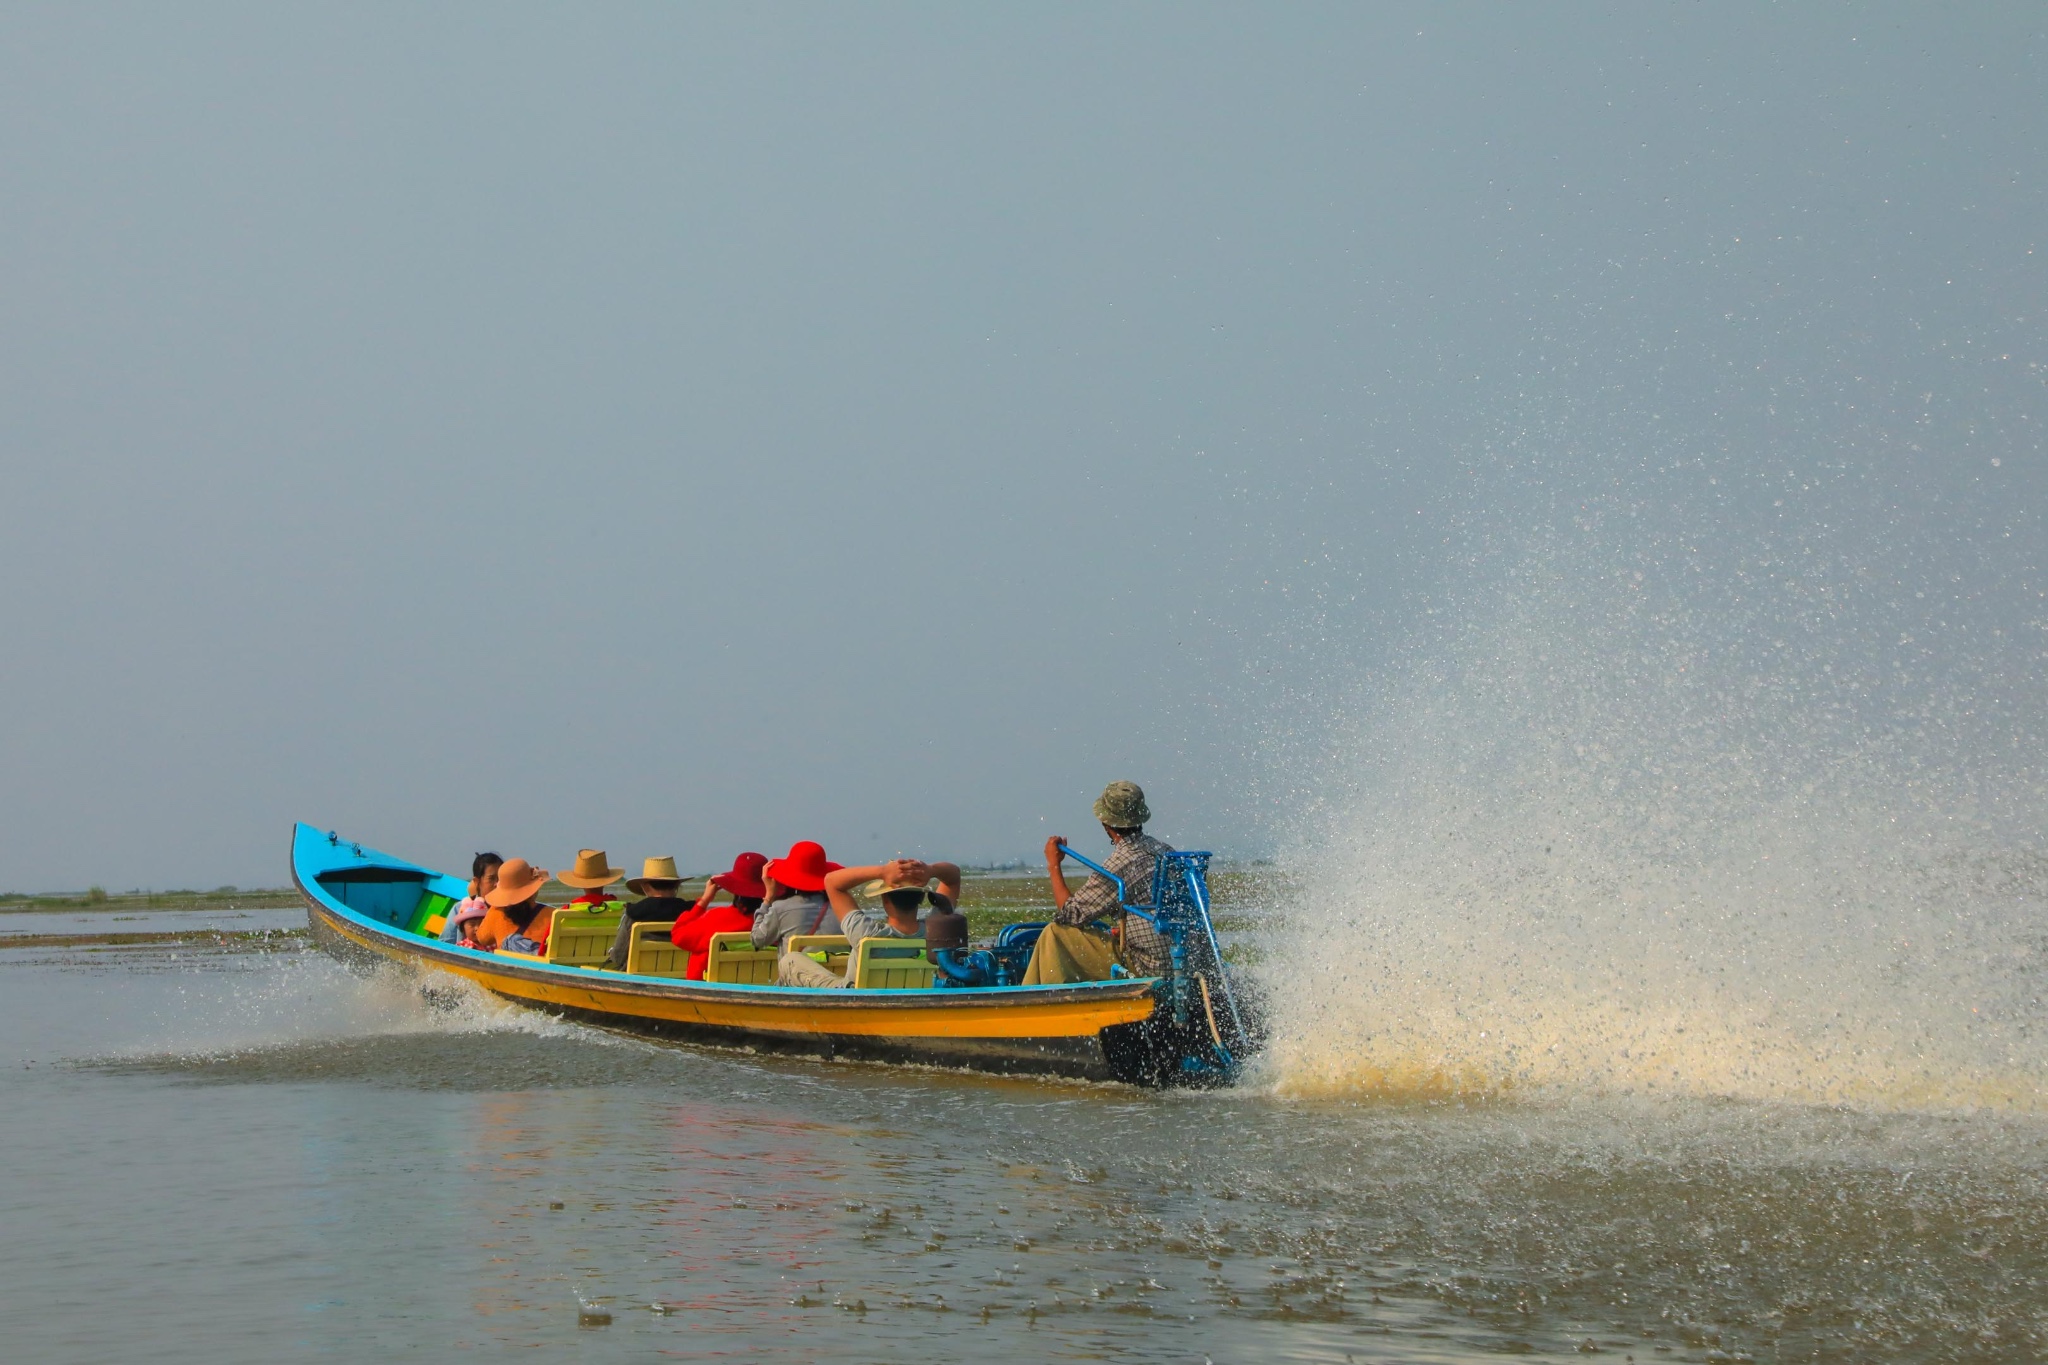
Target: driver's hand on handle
{"type": "Point", "coordinates": [1055, 854]}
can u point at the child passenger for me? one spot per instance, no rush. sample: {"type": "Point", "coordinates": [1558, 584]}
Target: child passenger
{"type": "Point", "coordinates": [483, 875]}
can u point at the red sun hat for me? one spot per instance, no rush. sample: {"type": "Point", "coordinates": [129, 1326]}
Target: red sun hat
{"type": "Point", "coordinates": [803, 869]}
{"type": "Point", "coordinates": [745, 877]}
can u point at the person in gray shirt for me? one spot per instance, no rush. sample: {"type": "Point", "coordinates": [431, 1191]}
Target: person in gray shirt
{"type": "Point", "coordinates": [796, 901]}
{"type": "Point", "coordinates": [896, 890]}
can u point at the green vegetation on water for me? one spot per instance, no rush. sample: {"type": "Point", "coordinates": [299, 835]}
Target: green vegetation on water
{"type": "Point", "coordinates": [231, 940]}
{"type": "Point", "coordinates": [96, 898]}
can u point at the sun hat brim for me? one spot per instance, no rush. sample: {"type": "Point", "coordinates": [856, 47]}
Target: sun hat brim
{"type": "Point", "coordinates": [502, 895]}
{"type": "Point", "coordinates": [740, 885]}
{"type": "Point", "coordinates": [590, 883]}
{"type": "Point", "coordinates": [878, 888]}
{"type": "Point", "coordinates": [784, 873]}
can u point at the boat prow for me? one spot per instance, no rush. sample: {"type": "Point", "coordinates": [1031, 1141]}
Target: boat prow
{"type": "Point", "coordinates": [366, 906]}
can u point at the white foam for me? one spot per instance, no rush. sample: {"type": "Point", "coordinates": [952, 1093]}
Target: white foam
{"type": "Point", "coordinates": [1621, 828]}
{"type": "Point", "coordinates": [308, 997]}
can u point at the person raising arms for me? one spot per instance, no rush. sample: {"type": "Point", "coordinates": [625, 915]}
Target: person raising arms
{"type": "Point", "coordinates": [695, 926]}
{"type": "Point", "coordinates": [900, 887]}
{"type": "Point", "coordinates": [795, 889]}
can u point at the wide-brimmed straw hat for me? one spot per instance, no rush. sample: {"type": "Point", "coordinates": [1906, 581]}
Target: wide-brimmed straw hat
{"type": "Point", "coordinates": [592, 870]}
{"type": "Point", "coordinates": [518, 881]}
{"type": "Point", "coordinates": [803, 868]}
{"type": "Point", "coordinates": [653, 870]}
{"type": "Point", "coordinates": [745, 877]}
{"type": "Point", "coordinates": [880, 887]}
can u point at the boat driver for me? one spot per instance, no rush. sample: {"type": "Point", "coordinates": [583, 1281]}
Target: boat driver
{"type": "Point", "coordinates": [1069, 949]}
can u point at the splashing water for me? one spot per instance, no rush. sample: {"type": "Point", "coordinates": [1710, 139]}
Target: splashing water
{"type": "Point", "coordinates": [310, 999]}
{"type": "Point", "coordinates": [1704, 814]}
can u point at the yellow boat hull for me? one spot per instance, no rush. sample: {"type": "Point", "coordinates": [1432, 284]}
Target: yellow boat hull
{"type": "Point", "coordinates": [1057, 1030]}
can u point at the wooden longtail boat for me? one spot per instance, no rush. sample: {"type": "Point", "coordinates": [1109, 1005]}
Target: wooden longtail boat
{"type": "Point", "coordinates": [367, 907]}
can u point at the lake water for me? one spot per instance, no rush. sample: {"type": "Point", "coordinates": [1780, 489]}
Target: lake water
{"type": "Point", "coordinates": [223, 1156]}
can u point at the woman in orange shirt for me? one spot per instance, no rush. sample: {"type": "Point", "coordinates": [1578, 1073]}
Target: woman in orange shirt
{"type": "Point", "coordinates": [516, 911]}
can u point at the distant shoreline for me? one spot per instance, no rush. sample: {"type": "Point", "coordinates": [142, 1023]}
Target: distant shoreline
{"type": "Point", "coordinates": [223, 898]}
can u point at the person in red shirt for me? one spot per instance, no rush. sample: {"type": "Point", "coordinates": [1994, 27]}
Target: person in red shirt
{"type": "Point", "coordinates": [591, 875]}
{"type": "Point", "coordinates": [695, 926]}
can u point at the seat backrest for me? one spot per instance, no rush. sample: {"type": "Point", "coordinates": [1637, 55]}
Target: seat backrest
{"type": "Point", "coordinates": [430, 914]}
{"type": "Point", "coordinates": [838, 952]}
{"type": "Point", "coordinates": [650, 953]}
{"type": "Point", "coordinates": [581, 938]}
{"type": "Point", "coordinates": [733, 959]}
{"type": "Point", "coordinates": [891, 964]}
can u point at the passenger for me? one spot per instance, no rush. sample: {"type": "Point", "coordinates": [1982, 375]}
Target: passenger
{"type": "Point", "coordinates": [695, 927]}
{"type": "Point", "coordinates": [898, 887]}
{"type": "Point", "coordinates": [483, 875]}
{"type": "Point", "coordinates": [591, 875]}
{"type": "Point", "coordinates": [795, 888]}
{"type": "Point", "coordinates": [516, 920]}
{"type": "Point", "coordinates": [466, 921]}
{"type": "Point", "coordinates": [743, 884]}
{"type": "Point", "coordinates": [1068, 950]}
{"type": "Point", "coordinates": [657, 886]}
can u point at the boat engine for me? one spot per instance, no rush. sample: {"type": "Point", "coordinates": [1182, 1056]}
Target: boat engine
{"type": "Point", "coordinates": [945, 941]}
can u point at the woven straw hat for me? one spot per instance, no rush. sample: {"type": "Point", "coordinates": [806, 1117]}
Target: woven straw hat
{"type": "Point", "coordinates": [592, 870]}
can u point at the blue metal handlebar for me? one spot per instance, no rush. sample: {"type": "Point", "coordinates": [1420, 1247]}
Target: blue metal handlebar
{"type": "Point", "coordinates": [1122, 892]}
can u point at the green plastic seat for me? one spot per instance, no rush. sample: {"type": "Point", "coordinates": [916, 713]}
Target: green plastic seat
{"type": "Point", "coordinates": [432, 906]}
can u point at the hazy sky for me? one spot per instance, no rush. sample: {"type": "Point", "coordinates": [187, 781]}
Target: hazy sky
{"type": "Point", "coordinates": [686, 429]}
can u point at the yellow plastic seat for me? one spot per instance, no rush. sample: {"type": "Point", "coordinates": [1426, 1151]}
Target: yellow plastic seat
{"type": "Point", "coordinates": [838, 952]}
{"type": "Point", "coordinates": [734, 960]}
{"type": "Point", "coordinates": [434, 925]}
{"type": "Point", "coordinates": [581, 938]}
{"type": "Point", "coordinates": [649, 952]}
{"type": "Point", "coordinates": [891, 964]}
